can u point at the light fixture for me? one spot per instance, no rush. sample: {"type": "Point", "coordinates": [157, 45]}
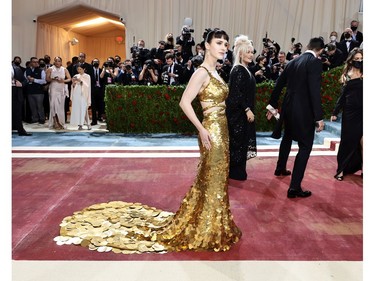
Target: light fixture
{"type": "Point", "coordinates": [74, 41]}
{"type": "Point", "coordinates": [119, 39]}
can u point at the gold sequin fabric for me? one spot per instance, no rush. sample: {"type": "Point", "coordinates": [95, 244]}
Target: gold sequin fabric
{"type": "Point", "coordinates": [203, 221]}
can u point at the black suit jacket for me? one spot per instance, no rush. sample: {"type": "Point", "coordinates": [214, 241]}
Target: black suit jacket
{"type": "Point", "coordinates": [302, 105]}
{"type": "Point", "coordinates": [358, 37]}
{"type": "Point", "coordinates": [178, 70]}
{"type": "Point", "coordinates": [342, 46]}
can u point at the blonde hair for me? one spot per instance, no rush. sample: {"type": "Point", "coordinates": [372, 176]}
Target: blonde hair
{"type": "Point", "coordinates": [242, 44]}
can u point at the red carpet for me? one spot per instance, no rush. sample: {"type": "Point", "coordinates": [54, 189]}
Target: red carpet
{"type": "Point", "coordinates": [326, 226]}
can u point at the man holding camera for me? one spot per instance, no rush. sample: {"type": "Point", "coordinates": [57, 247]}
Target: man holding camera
{"type": "Point", "coordinates": [129, 76]}
{"type": "Point", "coordinates": [171, 71]}
{"type": "Point", "coordinates": [186, 40]}
{"type": "Point", "coordinates": [331, 57]}
{"type": "Point", "coordinates": [149, 75]}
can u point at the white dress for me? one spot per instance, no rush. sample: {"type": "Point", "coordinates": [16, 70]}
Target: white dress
{"type": "Point", "coordinates": [57, 93]}
{"type": "Point", "coordinates": [81, 100]}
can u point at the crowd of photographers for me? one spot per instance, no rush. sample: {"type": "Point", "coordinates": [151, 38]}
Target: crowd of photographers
{"type": "Point", "coordinates": [174, 60]}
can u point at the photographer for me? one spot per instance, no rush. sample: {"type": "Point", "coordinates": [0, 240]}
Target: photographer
{"type": "Point", "coordinates": [172, 71]}
{"type": "Point", "coordinates": [295, 50]}
{"type": "Point", "coordinates": [331, 57]}
{"type": "Point", "coordinates": [159, 52]}
{"type": "Point", "coordinates": [261, 70]}
{"type": "Point", "coordinates": [191, 66]}
{"type": "Point", "coordinates": [169, 41]}
{"type": "Point", "coordinates": [139, 54]}
{"type": "Point", "coordinates": [278, 67]}
{"type": "Point", "coordinates": [129, 77]}
{"type": "Point", "coordinates": [149, 75]}
{"type": "Point", "coordinates": [186, 40]}
{"type": "Point", "coordinates": [270, 50]}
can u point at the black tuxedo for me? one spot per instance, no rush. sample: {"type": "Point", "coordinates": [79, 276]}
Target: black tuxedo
{"type": "Point", "coordinates": [97, 95]}
{"type": "Point", "coordinates": [300, 110]}
{"type": "Point", "coordinates": [344, 49]}
{"type": "Point", "coordinates": [358, 37]}
{"type": "Point", "coordinates": [177, 70]}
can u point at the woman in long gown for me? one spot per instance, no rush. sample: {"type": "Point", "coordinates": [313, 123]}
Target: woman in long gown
{"type": "Point", "coordinates": [81, 99]}
{"type": "Point", "coordinates": [240, 109]}
{"type": "Point", "coordinates": [58, 76]}
{"type": "Point", "coordinates": [203, 221]}
{"type": "Point", "coordinates": [350, 153]}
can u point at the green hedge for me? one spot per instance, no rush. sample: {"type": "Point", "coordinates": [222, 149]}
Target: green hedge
{"type": "Point", "coordinates": [155, 109]}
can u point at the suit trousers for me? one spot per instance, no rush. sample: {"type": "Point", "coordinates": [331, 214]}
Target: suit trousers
{"type": "Point", "coordinates": [300, 162]}
{"type": "Point", "coordinates": [97, 103]}
{"type": "Point", "coordinates": [17, 105]}
{"type": "Point", "coordinates": [36, 107]}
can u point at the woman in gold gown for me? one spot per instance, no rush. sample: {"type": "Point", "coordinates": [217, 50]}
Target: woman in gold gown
{"type": "Point", "coordinates": [203, 221]}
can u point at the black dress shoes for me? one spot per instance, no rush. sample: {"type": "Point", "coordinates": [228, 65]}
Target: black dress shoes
{"type": "Point", "coordinates": [282, 173]}
{"type": "Point", "coordinates": [94, 123]}
{"type": "Point", "coordinates": [25, 134]}
{"type": "Point", "coordinates": [292, 193]}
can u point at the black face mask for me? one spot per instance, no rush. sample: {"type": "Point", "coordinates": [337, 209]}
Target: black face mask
{"type": "Point", "coordinates": [95, 64]}
{"type": "Point", "coordinates": [42, 65]}
{"type": "Point", "coordinates": [357, 64]}
{"type": "Point", "coordinates": [17, 63]}
{"type": "Point", "coordinates": [347, 35]}
{"type": "Point", "coordinates": [354, 28]}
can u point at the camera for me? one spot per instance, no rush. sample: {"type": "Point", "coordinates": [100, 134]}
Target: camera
{"type": "Point", "coordinates": [265, 42]}
{"type": "Point", "coordinates": [128, 67]}
{"type": "Point", "coordinates": [149, 64]}
{"type": "Point", "coordinates": [105, 64]}
{"type": "Point", "coordinates": [197, 60]}
{"type": "Point", "coordinates": [186, 33]}
{"type": "Point", "coordinates": [164, 77]}
{"type": "Point", "coordinates": [186, 30]}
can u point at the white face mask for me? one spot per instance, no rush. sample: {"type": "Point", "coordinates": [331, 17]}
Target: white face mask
{"type": "Point", "coordinates": [333, 38]}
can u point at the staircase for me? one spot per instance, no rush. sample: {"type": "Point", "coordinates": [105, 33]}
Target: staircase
{"type": "Point", "coordinates": [329, 137]}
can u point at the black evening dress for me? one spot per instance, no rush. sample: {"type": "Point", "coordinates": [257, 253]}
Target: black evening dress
{"type": "Point", "coordinates": [203, 222]}
{"type": "Point", "coordinates": [242, 135]}
{"type": "Point", "coordinates": [349, 156]}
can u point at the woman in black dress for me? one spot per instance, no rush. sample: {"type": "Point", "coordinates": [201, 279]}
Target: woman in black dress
{"type": "Point", "coordinates": [240, 109]}
{"type": "Point", "coordinates": [349, 156]}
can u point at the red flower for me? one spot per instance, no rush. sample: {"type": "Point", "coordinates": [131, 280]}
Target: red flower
{"type": "Point", "coordinates": [132, 125]}
{"type": "Point", "coordinates": [119, 108]}
{"type": "Point", "coordinates": [134, 102]}
{"type": "Point", "coordinates": [167, 97]}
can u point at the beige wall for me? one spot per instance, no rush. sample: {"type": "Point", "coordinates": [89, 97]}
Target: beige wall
{"type": "Point", "coordinates": [152, 19]}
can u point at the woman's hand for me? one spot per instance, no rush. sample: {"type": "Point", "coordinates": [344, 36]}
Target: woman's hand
{"type": "Point", "coordinates": [250, 116]}
{"type": "Point", "coordinates": [333, 118]}
{"type": "Point", "coordinates": [205, 138]}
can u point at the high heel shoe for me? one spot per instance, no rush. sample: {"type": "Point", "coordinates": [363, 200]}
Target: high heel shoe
{"type": "Point", "coordinates": [80, 127]}
{"type": "Point", "coordinates": [88, 127]}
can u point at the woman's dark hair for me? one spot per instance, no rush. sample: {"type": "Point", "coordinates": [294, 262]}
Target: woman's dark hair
{"type": "Point", "coordinates": [215, 33]}
{"type": "Point", "coordinates": [209, 34]}
{"type": "Point", "coordinates": [349, 61]}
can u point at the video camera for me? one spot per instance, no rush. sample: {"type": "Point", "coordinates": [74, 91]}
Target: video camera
{"type": "Point", "coordinates": [186, 33]}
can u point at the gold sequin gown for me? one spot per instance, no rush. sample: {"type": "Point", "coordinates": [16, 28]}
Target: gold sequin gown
{"type": "Point", "coordinates": [203, 221]}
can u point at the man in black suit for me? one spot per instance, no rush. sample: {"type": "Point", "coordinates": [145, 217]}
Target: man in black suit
{"type": "Point", "coordinates": [301, 112]}
{"type": "Point", "coordinates": [348, 43]}
{"type": "Point", "coordinates": [18, 83]}
{"type": "Point", "coordinates": [356, 34]}
{"type": "Point", "coordinates": [332, 58]}
{"type": "Point", "coordinates": [172, 71]}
